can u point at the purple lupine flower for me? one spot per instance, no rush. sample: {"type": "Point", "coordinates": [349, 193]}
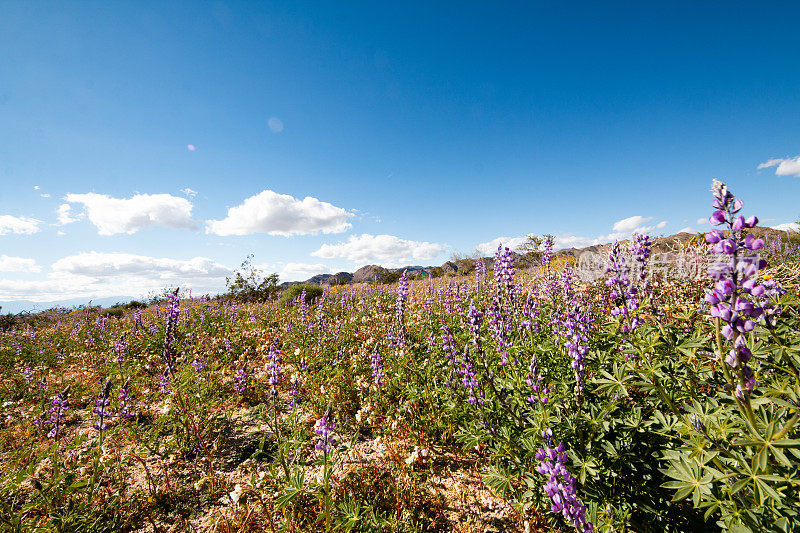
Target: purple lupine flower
{"type": "Point", "coordinates": [173, 312]}
{"type": "Point", "coordinates": [101, 404]}
{"type": "Point", "coordinates": [534, 380]}
{"type": "Point", "coordinates": [199, 363]}
{"type": "Point", "coordinates": [163, 382]}
{"type": "Point", "coordinates": [121, 349]}
{"type": "Point", "coordinates": [399, 337]}
{"type": "Point", "coordinates": [735, 298]}
{"type": "Point", "coordinates": [240, 379]}
{"type": "Point", "coordinates": [324, 429]}
{"type": "Point", "coordinates": [294, 393]}
{"type": "Point", "coordinates": [27, 373]}
{"type": "Point", "coordinates": [500, 328]}
{"type": "Point", "coordinates": [320, 313]}
{"type": "Point", "coordinates": [448, 345]}
{"type": "Point", "coordinates": [480, 271]}
{"type": "Point", "coordinates": [125, 402]}
{"type": "Point", "coordinates": [303, 306]}
{"type": "Point", "coordinates": [622, 292]}
{"type": "Point", "coordinates": [504, 270]}
{"type": "Point", "coordinates": [530, 314]}
{"type": "Point", "coordinates": [573, 328]}
{"type": "Point", "coordinates": [58, 408]}
{"type": "Point", "coordinates": [377, 366]}
{"type": "Point", "coordinates": [469, 379]}
{"type": "Point", "coordinates": [137, 319]}
{"type": "Point", "coordinates": [274, 369]}
{"type": "Point", "coordinates": [562, 487]}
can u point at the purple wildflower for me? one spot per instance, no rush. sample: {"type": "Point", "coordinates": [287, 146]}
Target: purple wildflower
{"type": "Point", "coordinates": [377, 366]}
{"type": "Point", "coordinates": [274, 369]}
{"type": "Point", "coordinates": [324, 429]}
{"type": "Point", "coordinates": [562, 487]}
{"type": "Point", "coordinates": [101, 403]}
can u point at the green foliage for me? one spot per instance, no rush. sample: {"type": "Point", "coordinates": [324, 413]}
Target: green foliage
{"type": "Point", "coordinates": [250, 284]}
{"type": "Point", "coordinates": [313, 291]}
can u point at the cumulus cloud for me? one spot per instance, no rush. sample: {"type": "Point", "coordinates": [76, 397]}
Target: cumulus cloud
{"type": "Point", "coordinates": [18, 225]}
{"type": "Point", "coordinates": [789, 226]}
{"type": "Point", "coordinates": [18, 264]}
{"type": "Point", "coordinates": [384, 249]}
{"type": "Point", "coordinates": [295, 271]}
{"type": "Point", "coordinates": [191, 193]}
{"type": "Point", "coordinates": [65, 215]}
{"type": "Point", "coordinates": [702, 221]}
{"type": "Point", "coordinates": [101, 265]}
{"type": "Point", "coordinates": [688, 230]}
{"type": "Point", "coordinates": [789, 166]}
{"type": "Point", "coordinates": [128, 215]}
{"type": "Point", "coordinates": [281, 214]}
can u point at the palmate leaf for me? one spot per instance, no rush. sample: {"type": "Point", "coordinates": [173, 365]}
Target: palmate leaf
{"type": "Point", "coordinates": [690, 480]}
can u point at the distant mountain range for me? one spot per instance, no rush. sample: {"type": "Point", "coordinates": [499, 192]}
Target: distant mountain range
{"type": "Point", "coordinates": [21, 306]}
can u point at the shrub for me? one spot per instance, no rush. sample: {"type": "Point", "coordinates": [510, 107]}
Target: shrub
{"type": "Point", "coordinates": [312, 292]}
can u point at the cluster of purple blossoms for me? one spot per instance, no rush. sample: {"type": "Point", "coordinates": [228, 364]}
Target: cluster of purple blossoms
{"type": "Point", "coordinates": [173, 312]}
{"type": "Point", "coordinates": [469, 379]}
{"type": "Point", "coordinates": [480, 271]}
{"type": "Point", "coordinates": [320, 313]}
{"type": "Point", "coordinates": [240, 379]}
{"type": "Point", "coordinates": [324, 429]}
{"type": "Point", "coordinates": [534, 381]}
{"type": "Point", "coordinates": [504, 270]}
{"type": "Point", "coordinates": [303, 306]}
{"type": "Point", "coordinates": [55, 415]}
{"type": "Point", "coordinates": [125, 402]}
{"type": "Point", "coordinates": [137, 319]}
{"type": "Point", "coordinates": [376, 364]}
{"type": "Point", "coordinates": [294, 393]}
{"type": "Point", "coordinates": [736, 296]}
{"type": "Point", "coordinates": [573, 327]}
{"type": "Point", "coordinates": [500, 329]}
{"type": "Point", "coordinates": [640, 250]}
{"type": "Point", "coordinates": [121, 349]}
{"type": "Point", "coordinates": [530, 314]}
{"type": "Point", "coordinates": [274, 369]}
{"type": "Point", "coordinates": [400, 311]}
{"type": "Point", "coordinates": [562, 487]}
{"type": "Point", "coordinates": [163, 382]}
{"type": "Point", "coordinates": [199, 363]}
{"type": "Point", "coordinates": [448, 345]}
{"type": "Point", "coordinates": [101, 404]}
{"type": "Point", "coordinates": [622, 292]}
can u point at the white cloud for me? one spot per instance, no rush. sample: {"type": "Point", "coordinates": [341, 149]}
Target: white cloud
{"type": "Point", "coordinates": [786, 167]}
{"type": "Point", "coordinates": [385, 249]}
{"type": "Point", "coordinates": [18, 225]}
{"type": "Point", "coordinates": [702, 221]}
{"type": "Point", "coordinates": [191, 193]}
{"type": "Point", "coordinates": [688, 230]}
{"type": "Point", "coordinates": [64, 215]}
{"type": "Point", "coordinates": [97, 275]}
{"type": "Point", "coordinates": [295, 271]}
{"type": "Point", "coordinates": [789, 226]}
{"type": "Point", "coordinates": [45, 195]}
{"type": "Point", "coordinates": [121, 264]}
{"type": "Point", "coordinates": [129, 215]}
{"type": "Point", "coordinates": [507, 242]}
{"type": "Point", "coordinates": [18, 264]}
{"type": "Point", "coordinates": [281, 214]}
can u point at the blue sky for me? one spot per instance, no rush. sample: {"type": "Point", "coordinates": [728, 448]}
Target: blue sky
{"type": "Point", "coordinates": [415, 129]}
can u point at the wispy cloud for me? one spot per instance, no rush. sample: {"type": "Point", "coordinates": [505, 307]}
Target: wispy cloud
{"type": "Point", "coordinates": [785, 167]}
{"type": "Point", "coordinates": [18, 225]}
